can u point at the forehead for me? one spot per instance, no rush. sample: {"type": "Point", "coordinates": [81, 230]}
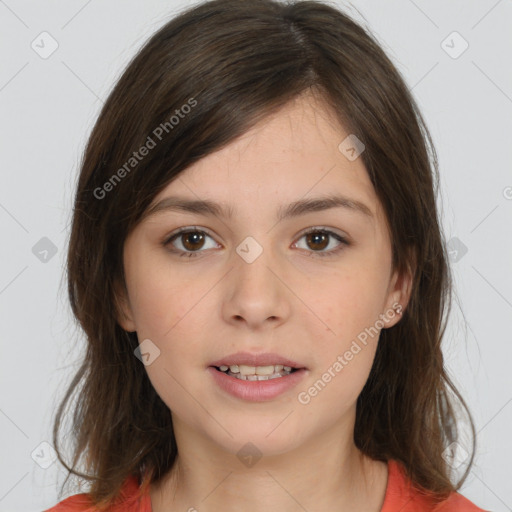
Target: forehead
{"type": "Point", "coordinates": [290, 155]}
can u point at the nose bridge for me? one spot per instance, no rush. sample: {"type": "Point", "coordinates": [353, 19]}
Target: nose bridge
{"type": "Point", "coordinates": [255, 292]}
{"type": "Point", "coordinates": [253, 257]}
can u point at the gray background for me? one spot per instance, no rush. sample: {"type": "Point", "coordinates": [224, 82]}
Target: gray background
{"type": "Point", "coordinates": [48, 106]}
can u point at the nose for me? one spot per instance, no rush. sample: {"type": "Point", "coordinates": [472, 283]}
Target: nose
{"type": "Point", "coordinates": [255, 293]}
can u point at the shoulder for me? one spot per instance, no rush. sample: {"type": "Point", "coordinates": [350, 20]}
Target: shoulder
{"type": "Point", "coordinates": [76, 503]}
{"type": "Point", "coordinates": [457, 503]}
{"type": "Point", "coordinates": [401, 495]}
{"type": "Point", "coordinates": [131, 499]}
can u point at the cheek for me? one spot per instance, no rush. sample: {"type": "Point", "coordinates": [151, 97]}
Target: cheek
{"type": "Point", "coordinates": [343, 360]}
{"type": "Point", "coordinates": [168, 309]}
{"type": "Point", "coordinates": [159, 295]}
{"type": "Point", "coordinates": [350, 308]}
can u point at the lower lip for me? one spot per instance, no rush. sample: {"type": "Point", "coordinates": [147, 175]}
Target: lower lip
{"type": "Point", "coordinates": [256, 390]}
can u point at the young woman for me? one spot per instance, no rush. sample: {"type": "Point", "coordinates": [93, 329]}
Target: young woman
{"type": "Point", "coordinates": [257, 262]}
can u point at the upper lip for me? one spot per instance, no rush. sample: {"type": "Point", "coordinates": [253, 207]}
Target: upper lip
{"type": "Point", "coordinates": [246, 358]}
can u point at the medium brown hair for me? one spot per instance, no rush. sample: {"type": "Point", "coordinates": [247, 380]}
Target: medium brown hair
{"type": "Point", "coordinates": [233, 62]}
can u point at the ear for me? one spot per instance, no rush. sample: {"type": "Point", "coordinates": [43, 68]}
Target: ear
{"type": "Point", "coordinates": [400, 289]}
{"type": "Point", "coordinates": [123, 307]}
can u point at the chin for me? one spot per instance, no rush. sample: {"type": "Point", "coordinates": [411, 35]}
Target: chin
{"type": "Point", "coordinates": [256, 439]}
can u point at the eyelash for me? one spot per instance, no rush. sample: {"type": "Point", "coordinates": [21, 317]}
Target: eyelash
{"type": "Point", "coordinates": [322, 254]}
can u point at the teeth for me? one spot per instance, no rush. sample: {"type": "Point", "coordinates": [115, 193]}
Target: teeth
{"type": "Point", "coordinates": [258, 377]}
{"type": "Point", "coordinates": [245, 372]}
{"type": "Point", "coordinates": [255, 370]}
{"type": "Point", "coordinates": [265, 370]}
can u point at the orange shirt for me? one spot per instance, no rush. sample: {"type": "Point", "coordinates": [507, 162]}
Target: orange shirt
{"type": "Point", "coordinates": [400, 496]}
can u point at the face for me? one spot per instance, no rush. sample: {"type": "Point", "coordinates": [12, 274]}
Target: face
{"type": "Point", "coordinates": [252, 283]}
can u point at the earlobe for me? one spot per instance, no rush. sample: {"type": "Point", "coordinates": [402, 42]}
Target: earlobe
{"type": "Point", "coordinates": [393, 314]}
{"type": "Point", "coordinates": [123, 309]}
{"type": "Point", "coordinates": [399, 296]}
{"type": "Point", "coordinates": [126, 322]}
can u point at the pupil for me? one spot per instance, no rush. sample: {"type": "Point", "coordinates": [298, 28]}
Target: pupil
{"type": "Point", "coordinates": [314, 236]}
{"type": "Point", "coordinates": [196, 235]}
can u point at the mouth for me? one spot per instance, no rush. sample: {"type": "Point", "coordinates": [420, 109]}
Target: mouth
{"type": "Point", "coordinates": [259, 373]}
{"type": "Point", "coordinates": [256, 383]}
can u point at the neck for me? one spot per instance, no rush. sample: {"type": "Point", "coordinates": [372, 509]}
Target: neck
{"type": "Point", "coordinates": [328, 473]}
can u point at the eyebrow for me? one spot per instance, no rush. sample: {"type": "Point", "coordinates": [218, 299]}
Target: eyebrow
{"type": "Point", "coordinates": [301, 207]}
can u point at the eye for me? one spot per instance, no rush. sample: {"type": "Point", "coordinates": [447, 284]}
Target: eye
{"type": "Point", "coordinates": [319, 237]}
{"type": "Point", "coordinates": [192, 241]}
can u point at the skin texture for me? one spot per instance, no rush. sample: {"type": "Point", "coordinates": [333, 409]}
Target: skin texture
{"type": "Point", "coordinates": [289, 300]}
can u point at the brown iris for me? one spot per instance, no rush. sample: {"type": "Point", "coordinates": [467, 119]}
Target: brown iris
{"type": "Point", "coordinates": [196, 237]}
{"type": "Point", "coordinates": [316, 238]}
